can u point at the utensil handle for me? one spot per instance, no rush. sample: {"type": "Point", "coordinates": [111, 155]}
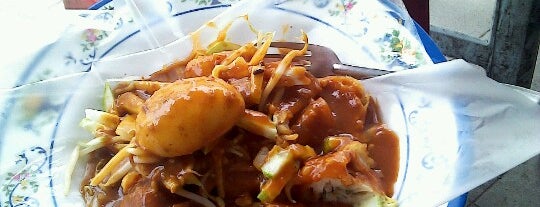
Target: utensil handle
{"type": "Point", "coordinates": [358, 72]}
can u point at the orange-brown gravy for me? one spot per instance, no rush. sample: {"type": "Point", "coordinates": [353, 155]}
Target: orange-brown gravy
{"type": "Point", "coordinates": [325, 107]}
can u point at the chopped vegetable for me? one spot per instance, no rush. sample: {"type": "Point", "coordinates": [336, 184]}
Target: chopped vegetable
{"type": "Point", "coordinates": [272, 188]}
{"type": "Point", "coordinates": [258, 123]}
{"type": "Point", "coordinates": [108, 98]}
{"type": "Point", "coordinates": [109, 168]}
{"type": "Point", "coordinates": [282, 160]}
{"type": "Point", "coordinates": [281, 168]}
{"type": "Point", "coordinates": [330, 144]}
{"type": "Point", "coordinates": [69, 169]}
{"type": "Point", "coordinates": [96, 121]}
{"type": "Point", "coordinates": [221, 46]}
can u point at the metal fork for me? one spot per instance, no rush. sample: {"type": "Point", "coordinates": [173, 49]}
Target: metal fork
{"type": "Point", "coordinates": [321, 61]}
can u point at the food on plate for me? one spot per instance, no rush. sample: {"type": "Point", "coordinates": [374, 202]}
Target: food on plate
{"type": "Point", "coordinates": [175, 127]}
{"type": "Point", "coordinates": [228, 127]}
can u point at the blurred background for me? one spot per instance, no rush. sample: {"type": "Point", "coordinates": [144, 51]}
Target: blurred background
{"type": "Point", "coordinates": [462, 27]}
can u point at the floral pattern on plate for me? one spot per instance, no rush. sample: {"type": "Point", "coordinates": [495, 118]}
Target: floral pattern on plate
{"type": "Point", "coordinates": [393, 41]}
{"type": "Point", "coordinates": [22, 182]}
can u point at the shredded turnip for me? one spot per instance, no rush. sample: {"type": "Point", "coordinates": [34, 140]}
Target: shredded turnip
{"type": "Point", "coordinates": [280, 70]}
{"type": "Point", "coordinates": [70, 168]}
{"type": "Point", "coordinates": [93, 145]}
{"type": "Point", "coordinates": [119, 173]}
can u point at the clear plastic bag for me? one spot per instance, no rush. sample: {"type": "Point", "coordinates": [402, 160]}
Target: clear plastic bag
{"type": "Point", "coordinates": [457, 127]}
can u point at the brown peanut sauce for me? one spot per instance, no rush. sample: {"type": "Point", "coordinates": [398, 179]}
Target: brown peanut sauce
{"type": "Point", "coordinates": [325, 107]}
{"type": "Point", "coordinates": [240, 173]}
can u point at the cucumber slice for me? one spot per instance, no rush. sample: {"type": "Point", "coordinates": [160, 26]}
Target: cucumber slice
{"type": "Point", "coordinates": [330, 144]}
{"type": "Point", "coordinates": [270, 190]}
{"type": "Point", "coordinates": [108, 98]}
{"type": "Point", "coordinates": [281, 166]}
{"type": "Point", "coordinates": [277, 163]}
{"type": "Point", "coordinates": [272, 187]}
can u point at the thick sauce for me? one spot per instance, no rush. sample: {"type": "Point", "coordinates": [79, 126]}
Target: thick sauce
{"type": "Point", "coordinates": [331, 106]}
{"type": "Point", "coordinates": [384, 149]}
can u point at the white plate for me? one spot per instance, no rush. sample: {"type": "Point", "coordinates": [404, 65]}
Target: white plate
{"type": "Point", "coordinates": [39, 121]}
